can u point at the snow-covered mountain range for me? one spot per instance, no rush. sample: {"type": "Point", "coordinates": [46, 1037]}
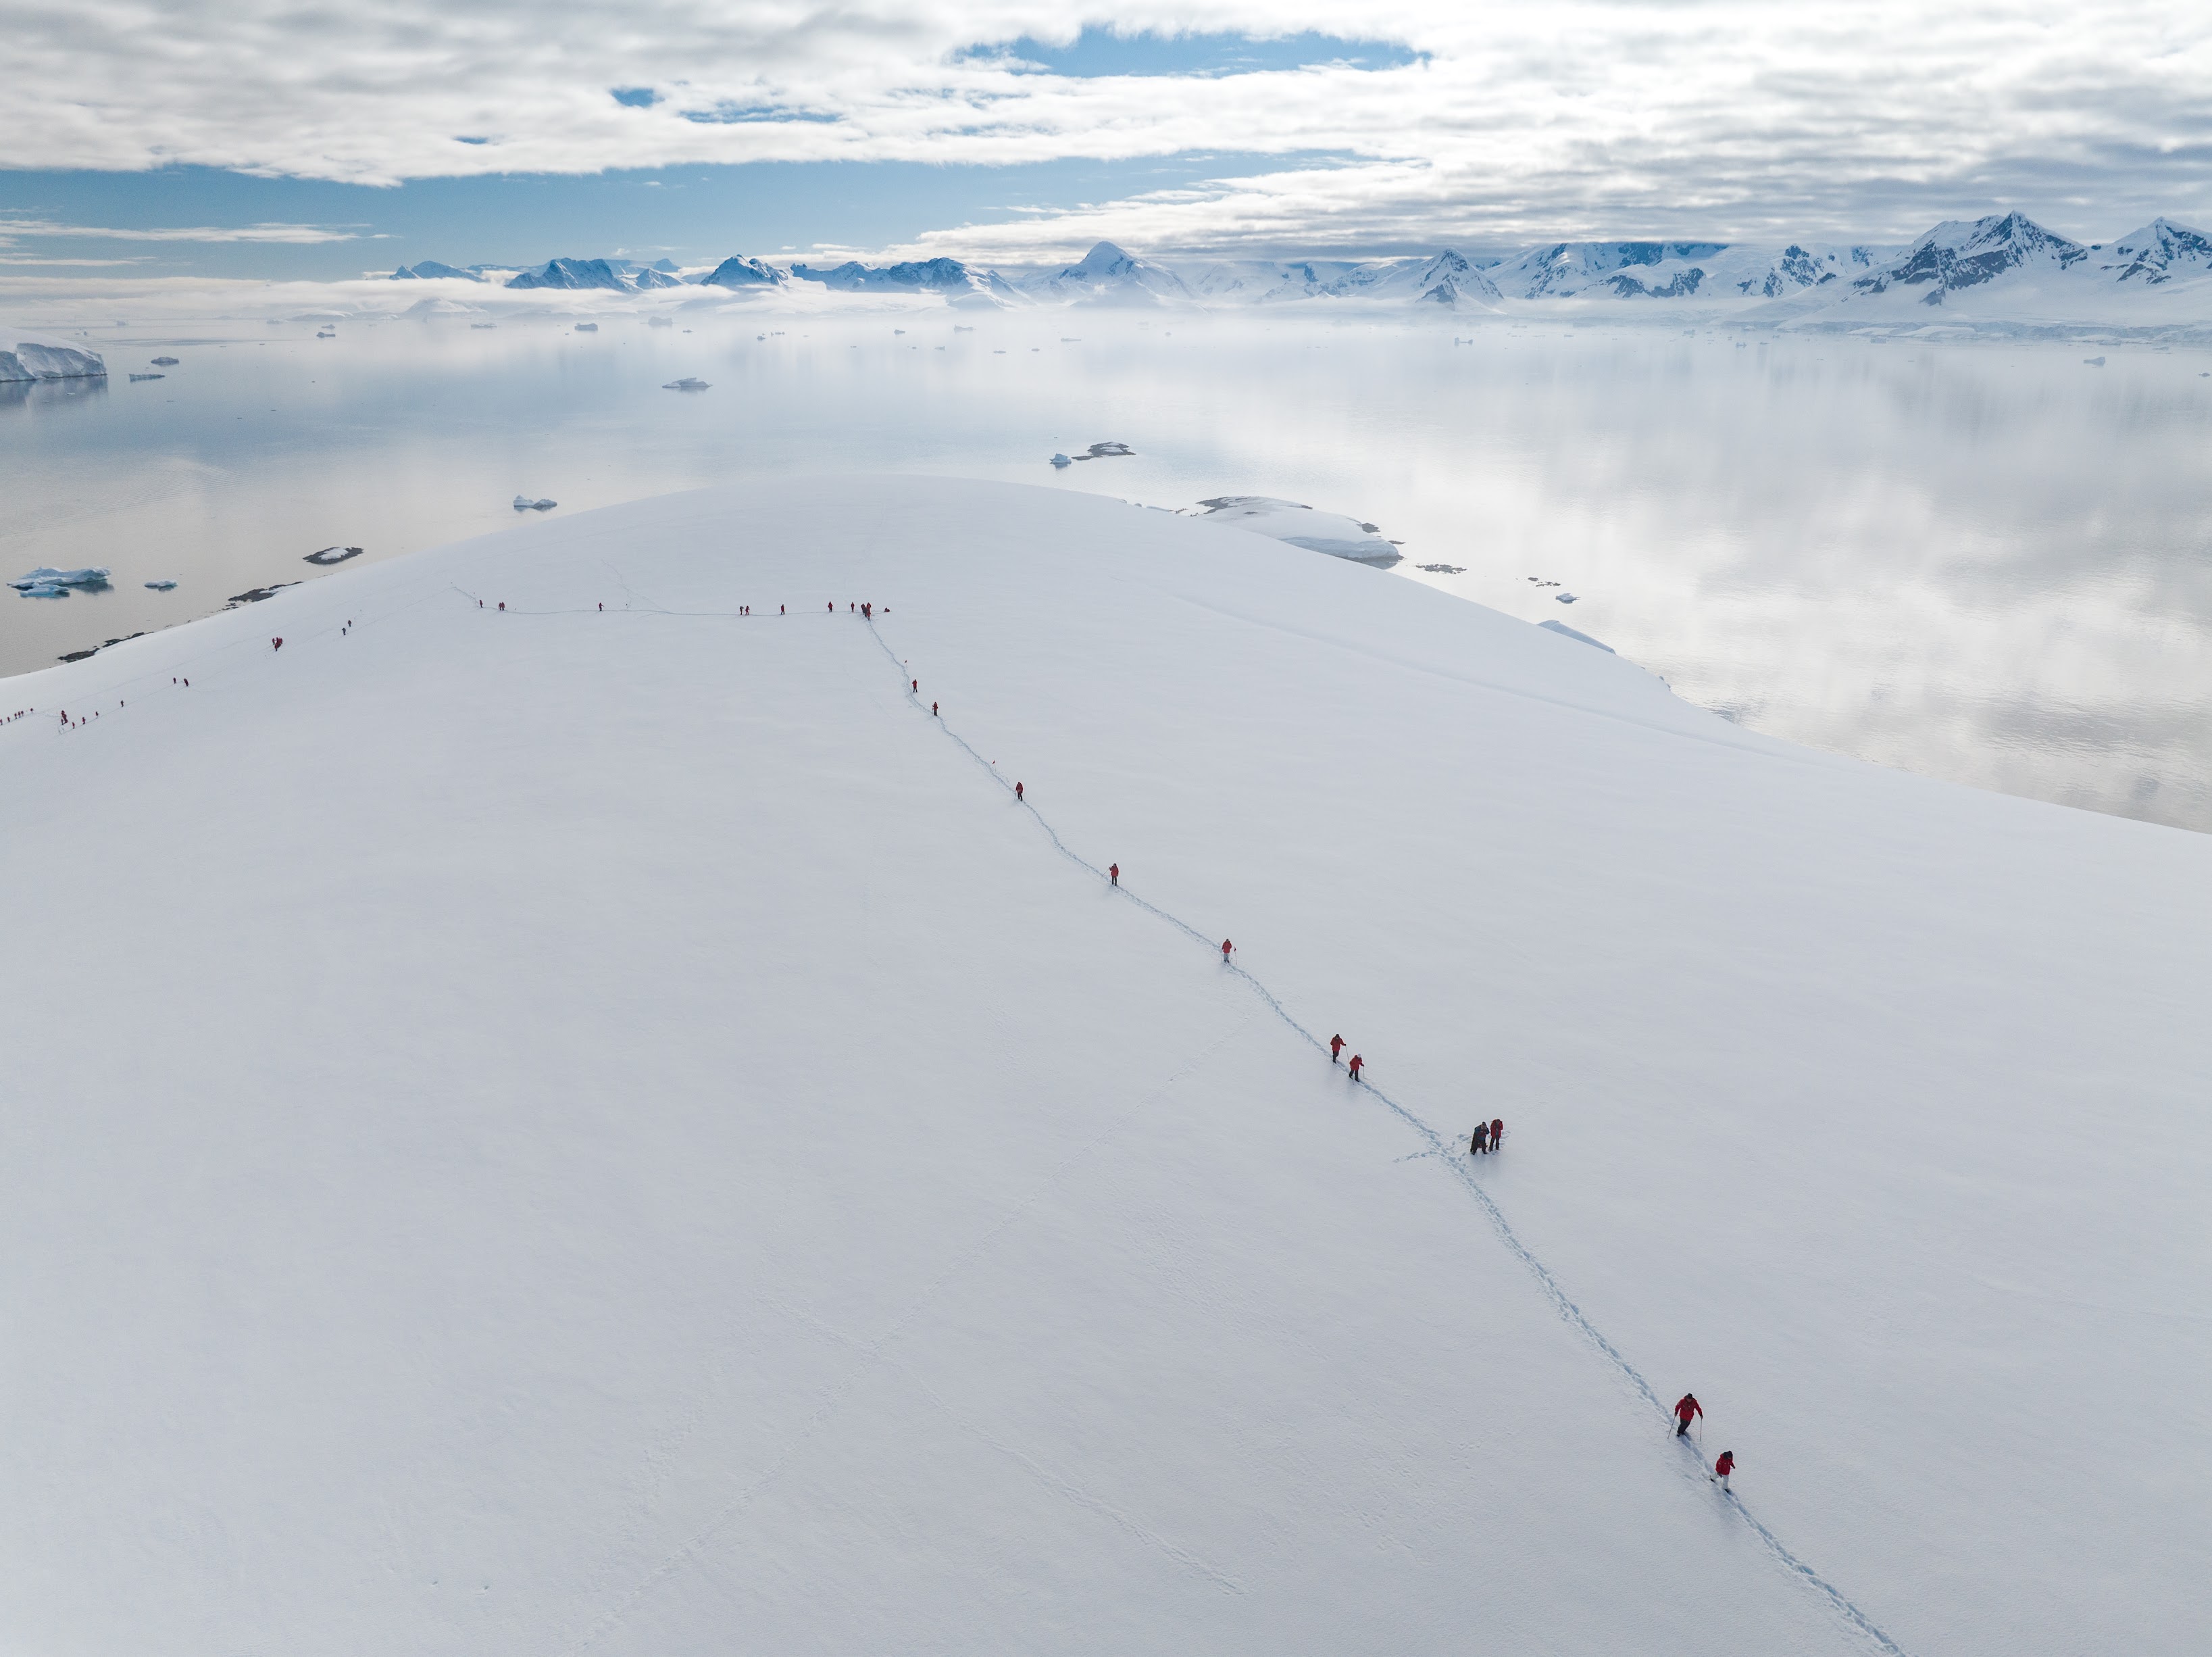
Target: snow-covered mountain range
{"type": "Point", "coordinates": [2002, 266]}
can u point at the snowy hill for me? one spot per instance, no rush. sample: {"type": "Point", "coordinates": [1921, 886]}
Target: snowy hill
{"type": "Point", "coordinates": [739, 272]}
{"type": "Point", "coordinates": [613, 1131]}
{"type": "Point", "coordinates": [430, 271]}
{"type": "Point", "coordinates": [2157, 253]}
{"type": "Point", "coordinates": [1956, 255]}
{"type": "Point", "coordinates": [573, 273]}
{"type": "Point", "coordinates": [1107, 276]}
{"type": "Point", "coordinates": [25, 355]}
{"type": "Point", "coordinates": [948, 277]}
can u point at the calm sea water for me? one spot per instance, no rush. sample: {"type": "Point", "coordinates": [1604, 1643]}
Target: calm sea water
{"type": "Point", "coordinates": [1987, 563]}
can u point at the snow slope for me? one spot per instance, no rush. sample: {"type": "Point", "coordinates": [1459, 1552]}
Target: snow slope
{"type": "Point", "coordinates": [568, 1130]}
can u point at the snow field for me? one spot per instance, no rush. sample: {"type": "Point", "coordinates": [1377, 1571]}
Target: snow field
{"type": "Point", "coordinates": [607, 1132]}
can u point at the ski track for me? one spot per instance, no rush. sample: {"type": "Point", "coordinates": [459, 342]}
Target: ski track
{"type": "Point", "coordinates": [1440, 1148]}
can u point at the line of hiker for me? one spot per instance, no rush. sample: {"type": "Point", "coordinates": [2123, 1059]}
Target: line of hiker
{"type": "Point", "coordinates": [1688, 1409]}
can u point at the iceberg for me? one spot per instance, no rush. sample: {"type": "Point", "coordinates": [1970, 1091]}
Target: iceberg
{"type": "Point", "coordinates": [27, 356]}
{"type": "Point", "coordinates": [162, 586]}
{"type": "Point", "coordinates": [523, 503]}
{"type": "Point", "coordinates": [47, 582]}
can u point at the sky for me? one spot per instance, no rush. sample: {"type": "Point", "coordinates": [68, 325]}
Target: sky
{"type": "Point", "coordinates": [268, 137]}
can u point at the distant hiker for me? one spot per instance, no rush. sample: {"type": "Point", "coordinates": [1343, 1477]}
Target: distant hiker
{"type": "Point", "coordinates": [603, 604]}
{"type": "Point", "coordinates": [831, 608]}
{"type": "Point", "coordinates": [276, 643]}
{"type": "Point", "coordinates": [867, 610]}
{"type": "Point", "coordinates": [1479, 1145]}
{"type": "Point", "coordinates": [1723, 1467]}
{"type": "Point", "coordinates": [1688, 1407]}
{"type": "Point", "coordinates": [1017, 791]}
{"type": "Point", "coordinates": [1226, 948]}
{"type": "Point", "coordinates": [1335, 1047]}
{"type": "Point", "coordinates": [1114, 872]}
{"type": "Point", "coordinates": [1496, 1132]}
{"type": "Point", "coordinates": [781, 611]}
{"type": "Point", "coordinates": [503, 604]}
{"type": "Point", "coordinates": [932, 710]}
{"type": "Point", "coordinates": [914, 685]}
{"type": "Point", "coordinates": [1357, 1063]}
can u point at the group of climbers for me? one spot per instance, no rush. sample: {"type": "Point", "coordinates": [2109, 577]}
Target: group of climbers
{"type": "Point", "coordinates": [1687, 1410]}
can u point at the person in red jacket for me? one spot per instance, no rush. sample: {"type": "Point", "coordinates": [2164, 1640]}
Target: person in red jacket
{"type": "Point", "coordinates": [1226, 948]}
{"type": "Point", "coordinates": [1496, 1132]}
{"type": "Point", "coordinates": [1335, 1048]}
{"type": "Point", "coordinates": [1018, 790]}
{"type": "Point", "coordinates": [1688, 1407]}
{"type": "Point", "coordinates": [1114, 872]}
{"type": "Point", "coordinates": [1723, 1467]}
{"type": "Point", "coordinates": [1357, 1061]}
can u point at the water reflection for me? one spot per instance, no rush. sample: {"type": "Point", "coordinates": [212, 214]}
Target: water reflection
{"type": "Point", "coordinates": [1983, 562]}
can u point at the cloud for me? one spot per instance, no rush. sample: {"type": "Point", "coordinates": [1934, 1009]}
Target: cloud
{"type": "Point", "coordinates": [1493, 123]}
{"type": "Point", "coordinates": [296, 235]}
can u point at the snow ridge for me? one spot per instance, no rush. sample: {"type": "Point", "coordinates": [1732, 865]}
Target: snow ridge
{"type": "Point", "coordinates": [1440, 1147]}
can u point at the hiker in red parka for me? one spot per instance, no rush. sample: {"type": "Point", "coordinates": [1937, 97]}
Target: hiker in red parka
{"type": "Point", "coordinates": [1225, 952]}
{"type": "Point", "coordinates": [1356, 1062]}
{"type": "Point", "coordinates": [1335, 1048]}
{"type": "Point", "coordinates": [1496, 1132]}
{"type": "Point", "coordinates": [1018, 790]}
{"type": "Point", "coordinates": [1688, 1407]}
{"type": "Point", "coordinates": [1114, 872]}
{"type": "Point", "coordinates": [1723, 1467]}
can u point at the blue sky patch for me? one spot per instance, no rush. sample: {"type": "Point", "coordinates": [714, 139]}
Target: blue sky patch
{"type": "Point", "coordinates": [1099, 52]}
{"type": "Point", "coordinates": [635, 97]}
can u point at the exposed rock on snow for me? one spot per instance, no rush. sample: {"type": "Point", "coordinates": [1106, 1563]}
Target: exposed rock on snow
{"type": "Point", "coordinates": [743, 272]}
{"type": "Point", "coordinates": [573, 273]}
{"type": "Point", "coordinates": [430, 271]}
{"type": "Point", "coordinates": [2157, 253]}
{"type": "Point", "coordinates": [333, 555]}
{"type": "Point", "coordinates": [1301, 526]}
{"type": "Point", "coordinates": [1956, 255]}
{"type": "Point", "coordinates": [27, 356]}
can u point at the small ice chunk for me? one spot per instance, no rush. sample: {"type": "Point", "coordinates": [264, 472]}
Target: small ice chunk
{"type": "Point", "coordinates": [1565, 598]}
{"type": "Point", "coordinates": [686, 384]}
{"type": "Point", "coordinates": [1061, 461]}
{"type": "Point", "coordinates": [162, 586]}
{"type": "Point", "coordinates": [523, 503]}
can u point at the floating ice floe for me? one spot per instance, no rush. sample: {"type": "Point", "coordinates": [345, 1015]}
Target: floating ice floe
{"type": "Point", "coordinates": [1563, 598]}
{"type": "Point", "coordinates": [587, 327]}
{"type": "Point", "coordinates": [1061, 461]}
{"type": "Point", "coordinates": [686, 384]}
{"type": "Point", "coordinates": [162, 586]}
{"type": "Point", "coordinates": [165, 362]}
{"type": "Point", "coordinates": [150, 376]}
{"type": "Point", "coordinates": [1299, 525]}
{"type": "Point", "coordinates": [47, 582]}
{"type": "Point", "coordinates": [2094, 362]}
{"type": "Point", "coordinates": [523, 503]}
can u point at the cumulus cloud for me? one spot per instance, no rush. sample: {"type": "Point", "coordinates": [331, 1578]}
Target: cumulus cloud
{"type": "Point", "coordinates": [1516, 120]}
